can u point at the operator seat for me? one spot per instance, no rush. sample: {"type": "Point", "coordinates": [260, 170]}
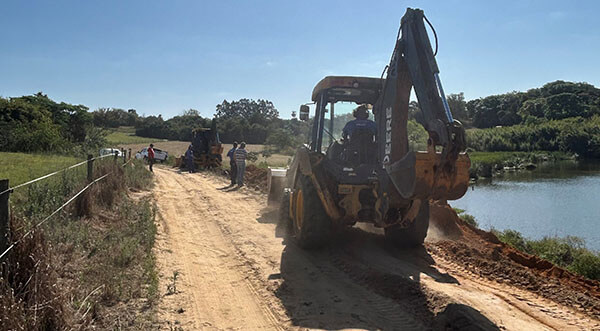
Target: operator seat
{"type": "Point", "coordinates": [361, 148]}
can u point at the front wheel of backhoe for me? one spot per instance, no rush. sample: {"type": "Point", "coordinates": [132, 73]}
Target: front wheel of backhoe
{"type": "Point", "coordinates": [311, 224]}
{"type": "Point", "coordinates": [414, 235]}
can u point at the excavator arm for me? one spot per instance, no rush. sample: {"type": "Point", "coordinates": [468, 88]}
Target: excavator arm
{"type": "Point", "coordinates": [442, 171]}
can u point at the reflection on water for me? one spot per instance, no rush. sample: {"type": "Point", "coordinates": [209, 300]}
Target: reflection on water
{"type": "Point", "coordinates": [560, 198]}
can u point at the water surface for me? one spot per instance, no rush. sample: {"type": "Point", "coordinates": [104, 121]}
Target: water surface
{"type": "Point", "coordinates": [560, 199]}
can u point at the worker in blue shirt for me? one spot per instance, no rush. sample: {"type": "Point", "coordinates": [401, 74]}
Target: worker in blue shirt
{"type": "Point", "coordinates": [362, 121]}
{"type": "Point", "coordinates": [233, 166]}
{"type": "Point", "coordinates": [189, 159]}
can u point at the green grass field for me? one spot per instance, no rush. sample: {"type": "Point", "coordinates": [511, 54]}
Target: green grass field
{"type": "Point", "coordinates": [21, 167]}
{"type": "Point", "coordinates": [126, 135]}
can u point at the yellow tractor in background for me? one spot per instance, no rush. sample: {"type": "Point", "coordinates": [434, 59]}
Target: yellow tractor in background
{"type": "Point", "coordinates": [376, 178]}
{"type": "Point", "coordinates": [207, 148]}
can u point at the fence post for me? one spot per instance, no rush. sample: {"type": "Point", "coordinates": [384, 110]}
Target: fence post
{"type": "Point", "coordinates": [4, 213]}
{"type": "Point", "coordinates": [124, 153]}
{"type": "Point", "coordinates": [90, 166]}
{"type": "Point", "coordinates": [116, 156]}
{"type": "Point", "coordinates": [130, 153]}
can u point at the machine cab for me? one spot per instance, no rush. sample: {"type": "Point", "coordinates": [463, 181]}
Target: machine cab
{"type": "Point", "coordinates": [354, 160]}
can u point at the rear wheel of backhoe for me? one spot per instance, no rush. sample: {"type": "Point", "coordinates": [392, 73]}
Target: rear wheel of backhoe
{"type": "Point", "coordinates": [415, 234]}
{"type": "Point", "coordinates": [311, 224]}
{"type": "Point", "coordinates": [285, 222]}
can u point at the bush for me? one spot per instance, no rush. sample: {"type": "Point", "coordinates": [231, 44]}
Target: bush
{"type": "Point", "coordinates": [572, 135]}
{"type": "Point", "coordinates": [568, 252]}
{"type": "Point", "coordinates": [469, 219]}
{"type": "Point", "coordinates": [514, 239]}
{"type": "Point", "coordinates": [586, 264]}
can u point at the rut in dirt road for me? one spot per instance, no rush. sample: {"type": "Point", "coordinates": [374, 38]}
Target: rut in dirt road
{"type": "Point", "coordinates": [235, 273]}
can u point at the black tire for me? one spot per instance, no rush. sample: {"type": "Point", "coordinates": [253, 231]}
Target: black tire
{"type": "Point", "coordinates": [311, 224]}
{"type": "Point", "coordinates": [285, 221]}
{"type": "Point", "coordinates": [412, 236]}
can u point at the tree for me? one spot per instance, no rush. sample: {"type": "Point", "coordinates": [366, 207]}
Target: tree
{"type": "Point", "coordinates": [280, 139]}
{"type": "Point", "coordinates": [458, 106]}
{"type": "Point", "coordinates": [36, 123]}
{"type": "Point", "coordinates": [251, 110]}
{"type": "Point", "coordinates": [247, 120]}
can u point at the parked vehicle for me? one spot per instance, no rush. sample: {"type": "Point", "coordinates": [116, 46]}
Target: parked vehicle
{"type": "Point", "coordinates": [107, 151]}
{"type": "Point", "coordinates": [159, 154]}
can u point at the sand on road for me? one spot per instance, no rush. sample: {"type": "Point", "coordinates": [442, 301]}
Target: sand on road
{"type": "Point", "coordinates": [235, 270]}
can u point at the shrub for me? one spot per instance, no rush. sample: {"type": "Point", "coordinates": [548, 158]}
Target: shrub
{"type": "Point", "coordinates": [514, 239]}
{"type": "Point", "coordinates": [469, 219]}
{"type": "Point", "coordinates": [567, 252]}
{"type": "Point", "coordinates": [571, 135]}
{"type": "Point", "coordinates": [586, 264]}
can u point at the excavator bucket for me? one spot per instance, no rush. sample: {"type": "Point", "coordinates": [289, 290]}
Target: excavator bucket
{"type": "Point", "coordinates": [275, 185]}
{"type": "Point", "coordinates": [419, 176]}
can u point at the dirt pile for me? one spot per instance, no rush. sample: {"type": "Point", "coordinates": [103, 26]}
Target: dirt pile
{"type": "Point", "coordinates": [481, 253]}
{"type": "Point", "coordinates": [256, 177]}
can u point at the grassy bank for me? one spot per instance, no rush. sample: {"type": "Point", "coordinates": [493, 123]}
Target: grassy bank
{"type": "Point", "coordinates": [92, 264]}
{"type": "Point", "coordinates": [486, 164]}
{"type": "Point", "coordinates": [574, 135]}
{"type": "Point", "coordinates": [567, 252]}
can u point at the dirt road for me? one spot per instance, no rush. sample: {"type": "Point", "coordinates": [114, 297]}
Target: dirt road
{"type": "Point", "coordinates": [236, 271]}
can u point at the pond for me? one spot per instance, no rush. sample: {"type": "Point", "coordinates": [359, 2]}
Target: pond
{"type": "Point", "coordinates": [556, 199]}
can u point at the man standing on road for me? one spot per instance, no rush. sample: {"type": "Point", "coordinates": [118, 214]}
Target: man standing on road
{"type": "Point", "coordinates": [232, 165]}
{"type": "Point", "coordinates": [151, 156]}
{"type": "Point", "coordinates": [189, 159]}
{"type": "Point", "coordinates": [240, 162]}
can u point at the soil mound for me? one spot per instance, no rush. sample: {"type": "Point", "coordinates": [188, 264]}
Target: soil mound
{"type": "Point", "coordinates": [256, 177]}
{"type": "Point", "coordinates": [482, 253]}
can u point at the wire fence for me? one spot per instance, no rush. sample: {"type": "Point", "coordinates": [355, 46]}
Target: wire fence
{"type": "Point", "coordinates": [4, 199]}
{"type": "Point", "coordinates": [9, 190]}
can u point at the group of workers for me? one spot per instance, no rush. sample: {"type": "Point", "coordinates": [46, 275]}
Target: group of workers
{"type": "Point", "coordinates": [237, 162]}
{"type": "Point", "coordinates": [237, 155]}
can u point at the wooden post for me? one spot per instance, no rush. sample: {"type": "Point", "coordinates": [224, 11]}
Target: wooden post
{"type": "Point", "coordinates": [90, 166]}
{"type": "Point", "coordinates": [123, 152]}
{"type": "Point", "coordinates": [116, 156]}
{"type": "Point", "coordinates": [4, 214]}
{"type": "Point", "coordinates": [130, 153]}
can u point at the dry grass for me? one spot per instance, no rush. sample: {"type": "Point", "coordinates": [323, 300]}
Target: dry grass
{"type": "Point", "coordinates": [90, 267]}
{"type": "Point", "coordinates": [29, 297]}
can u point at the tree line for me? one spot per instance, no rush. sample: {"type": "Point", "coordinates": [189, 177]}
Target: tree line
{"type": "Point", "coordinates": [252, 121]}
{"type": "Point", "coordinates": [557, 116]}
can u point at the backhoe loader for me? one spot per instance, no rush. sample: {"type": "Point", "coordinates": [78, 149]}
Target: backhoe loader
{"type": "Point", "coordinates": [377, 178]}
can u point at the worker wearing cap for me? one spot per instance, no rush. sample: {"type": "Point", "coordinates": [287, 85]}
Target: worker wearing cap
{"type": "Point", "coordinates": [362, 120]}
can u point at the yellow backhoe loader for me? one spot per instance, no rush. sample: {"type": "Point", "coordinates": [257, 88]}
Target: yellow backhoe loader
{"type": "Point", "coordinates": [375, 177]}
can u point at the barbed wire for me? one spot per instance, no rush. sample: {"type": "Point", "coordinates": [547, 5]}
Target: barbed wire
{"type": "Point", "coordinates": [15, 243]}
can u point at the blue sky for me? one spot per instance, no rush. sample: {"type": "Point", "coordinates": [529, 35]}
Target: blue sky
{"type": "Point", "coordinates": [162, 57]}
